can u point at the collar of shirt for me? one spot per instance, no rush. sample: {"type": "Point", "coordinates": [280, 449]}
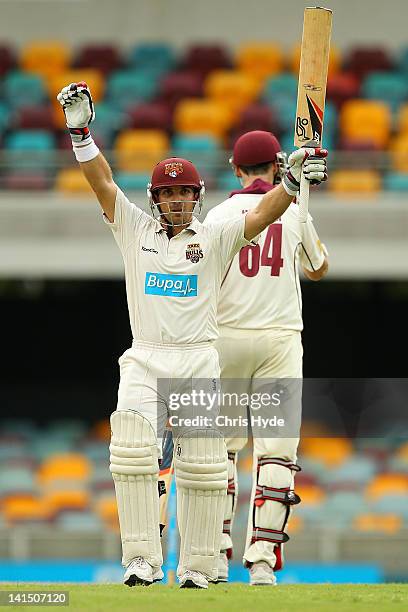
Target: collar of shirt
{"type": "Point", "coordinates": [257, 186]}
{"type": "Point", "coordinates": [194, 226]}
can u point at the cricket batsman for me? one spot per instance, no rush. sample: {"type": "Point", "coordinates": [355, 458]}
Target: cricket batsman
{"type": "Point", "coordinates": [260, 337]}
{"type": "Point", "coordinates": [173, 270]}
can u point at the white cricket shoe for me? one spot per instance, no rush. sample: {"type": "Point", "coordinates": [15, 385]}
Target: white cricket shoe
{"type": "Point", "coordinates": [261, 573]}
{"type": "Point", "coordinates": [193, 580]}
{"type": "Point", "coordinates": [140, 572]}
{"type": "Point", "coordinates": [223, 567]}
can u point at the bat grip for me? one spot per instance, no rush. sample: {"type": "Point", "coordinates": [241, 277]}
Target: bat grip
{"type": "Point", "coordinates": [303, 199]}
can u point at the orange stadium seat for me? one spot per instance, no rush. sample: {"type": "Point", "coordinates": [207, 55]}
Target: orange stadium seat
{"type": "Point", "coordinates": [260, 59]}
{"type": "Point", "coordinates": [330, 451]}
{"type": "Point", "coordinates": [402, 119]}
{"type": "Point", "coordinates": [335, 60]}
{"type": "Point", "coordinates": [66, 499]}
{"type": "Point", "coordinates": [355, 181]}
{"type": "Point", "coordinates": [295, 524]}
{"type": "Point", "coordinates": [23, 508]}
{"type": "Point", "coordinates": [310, 494]}
{"type": "Point", "coordinates": [403, 451]}
{"type": "Point", "coordinates": [366, 120]}
{"type": "Point", "coordinates": [46, 58]}
{"type": "Point", "coordinates": [194, 116]}
{"type": "Point", "coordinates": [69, 466]}
{"type": "Point", "coordinates": [140, 150]}
{"type": "Point", "coordinates": [71, 180]}
{"type": "Point", "coordinates": [101, 431]}
{"type": "Point", "coordinates": [233, 88]}
{"type": "Point", "coordinates": [387, 484]}
{"type": "Point", "coordinates": [398, 147]}
{"type": "Point", "coordinates": [386, 523]}
{"type": "Point", "coordinates": [92, 77]}
{"type": "Point", "coordinates": [106, 508]}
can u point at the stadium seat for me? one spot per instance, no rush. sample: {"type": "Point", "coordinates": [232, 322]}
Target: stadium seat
{"type": "Point", "coordinates": [385, 523]}
{"type": "Point", "coordinates": [387, 484]}
{"type": "Point", "coordinates": [256, 117]}
{"type": "Point", "coordinates": [64, 467]}
{"type": "Point", "coordinates": [232, 88]}
{"type": "Point", "coordinates": [20, 180]}
{"type": "Point", "coordinates": [7, 60]}
{"type": "Point", "coordinates": [389, 87]}
{"type": "Point", "coordinates": [396, 181]}
{"type": "Point", "coordinates": [140, 150]}
{"type": "Point", "coordinates": [150, 116]}
{"type": "Point", "coordinates": [85, 521]}
{"type": "Point", "coordinates": [396, 504]}
{"type": "Point", "coordinates": [285, 111]}
{"type": "Point", "coordinates": [95, 450]}
{"type": "Point", "coordinates": [132, 181]}
{"type": "Point", "coordinates": [16, 481]}
{"type": "Point", "coordinates": [30, 140]}
{"type": "Point", "coordinates": [362, 60]}
{"type": "Point", "coordinates": [30, 150]}
{"type": "Point", "coordinates": [128, 87]}
{"type": "Point", "coordinates": [35, 117]}
{"type": "Point", "coordinates": [402, 119]}
{"type": "Point", "coordinates": [356, 470]}
{"type": "Point", "coordinates": [331, 451]}
{"type": "Point", "coordinates": [101, 479]}
{"type": "Point", "coordinates": [155, 57]}
{"type": "Point", "coordinates": [66, 429]}
{"type": "Point", "coordinates": [335, 60]}
{"type": "Point", "coordinates": [282, 88]}
{"type": "Point", "coordinates": [311, 495]}
{"type": "Point", "coordinates": [203, 58]}
{"type": "Point", "coordinates": [107, 510]}
{"type": "Point", "coordinates": [366, 119]}
{"type": "Point", "coordinates": [227, 181]}
{"type": "Point", "coordinates": [341, 87]}
{"type": "Point", "coordinates": [399, 152]}
{"type": "Point", "coordinates": [25, 509]}
{"type": "Point", "coordinates": [103, 57]}
{"type": "Point", "coordinates": [355, 181]}
{"type": "Point", "coordinates": [46, 58]}
{"type": "Point", "coordinates": [21, 89]}
{"type": "Point", "coordinates": [71, 180]}
{"type": "Point", "coordinates": [5, 115]}
{"type": "Point", "coordinates": [193, 116]}
{"type": "Point", "coordinates": [60, 500]}
{"type": "Point", "coordinates": [259, 59]}
{"type": "Point", "coordinates": [179, 85]}
{"type": "Point", "coordinates": [188, 145]}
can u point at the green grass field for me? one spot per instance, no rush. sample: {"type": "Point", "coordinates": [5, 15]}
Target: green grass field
{"type": "Point", "coordinates": [228, 598]}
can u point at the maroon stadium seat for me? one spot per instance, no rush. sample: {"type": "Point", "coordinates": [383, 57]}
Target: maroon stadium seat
{"type": "Point", "coordinates": [7, 60]}
{"type": "Point", "coordinates": [32, 181]}
{"type": "Point", "coordinates": [155, 115]}
{"type": "Point", "coordinates": [362, 60]}
{"type": "Point", "coordinates": [258, 117]}
{"type": "Point", "coordinates": [204, 58]}
{"type": "Point", "coordinates": [178, 85]}
{"type": "Point", "coordinates": [35, 117]}
{"type": "Point", "coordinates": [342, 87]}
{"type": "Point", "coordinates": [102, 57]}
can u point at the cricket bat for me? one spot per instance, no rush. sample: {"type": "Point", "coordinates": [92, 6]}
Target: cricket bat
{"type": "Point", "coordinates": [165, 476]}
{"type": "Point", "coordinates": [314, 62]}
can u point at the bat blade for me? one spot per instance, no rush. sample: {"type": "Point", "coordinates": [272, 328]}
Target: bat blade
{"type": "Point", "coordinates": [314, 63]}
{"type": "Point", "coordinates": [165, 476]}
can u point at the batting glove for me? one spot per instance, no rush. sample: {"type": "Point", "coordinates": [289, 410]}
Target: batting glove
{"type": "Point", "coordinates": [76, 101]}
{"type": "Point", "coordinates": [312, 162]}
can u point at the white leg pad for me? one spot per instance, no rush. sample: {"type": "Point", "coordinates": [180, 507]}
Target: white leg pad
{"type": "Point", "coordinates": [200, 461]}
{"type": "Point", "coordinates": [134, 466]}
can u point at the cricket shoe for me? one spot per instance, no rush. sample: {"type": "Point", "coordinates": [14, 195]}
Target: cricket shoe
{"type": "Point", "coordinates": [193, 580]}
{"type": "Point", "coordinates": [140, 572]}
{"type": "Point", "coordinates": [261, 573]}
{"type": "Point", "coordinates": [222, 567]}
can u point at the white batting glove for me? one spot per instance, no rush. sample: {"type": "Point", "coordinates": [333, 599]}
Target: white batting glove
{"type": "Point", "coordinates": [310, 161]}
{"type": "Point", "coordinates": [76, 101]}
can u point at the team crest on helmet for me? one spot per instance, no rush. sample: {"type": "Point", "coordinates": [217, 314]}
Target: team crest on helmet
{"type": "Point", "coordinates": [173, 169]}
{"type": "Point", "coordinates": [194, 253]}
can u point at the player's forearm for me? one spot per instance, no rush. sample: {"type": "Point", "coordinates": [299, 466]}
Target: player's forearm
{"type": "Point", "coordinates": [97, 172]}
{"type": "Point", "coordinates": [270, 208]}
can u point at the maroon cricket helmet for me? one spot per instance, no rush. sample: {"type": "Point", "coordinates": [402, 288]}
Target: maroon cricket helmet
{"type": "Point", "coordinates": [257, 147]}
{"type": "Point", "coordinates": [175, 171]}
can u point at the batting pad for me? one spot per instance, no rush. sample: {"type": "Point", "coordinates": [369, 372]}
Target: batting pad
{"type": "Point", "coordinates": [200, 462]}
{"type": "Point", "coordinates": [134, 466]}
{"type": "Point", "coordinates": [230, 502]}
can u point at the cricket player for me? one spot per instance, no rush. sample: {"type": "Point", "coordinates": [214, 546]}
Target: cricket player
{"type": "Point", "coordinates": [260, 337]}
{"type": "Point", "coordinates": [173, 271]}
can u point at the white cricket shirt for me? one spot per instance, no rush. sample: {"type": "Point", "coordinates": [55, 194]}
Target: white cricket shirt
{"type": "Point", "coordinates": [172, 285]}
{"type": "Point", "coordinates": [261, 288]}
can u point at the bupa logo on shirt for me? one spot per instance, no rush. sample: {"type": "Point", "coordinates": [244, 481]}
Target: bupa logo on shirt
{"type": "Point", "coordinates": [173, 285]}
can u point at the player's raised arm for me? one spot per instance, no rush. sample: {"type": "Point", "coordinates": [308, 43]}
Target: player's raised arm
{"type": "Point", "coordinates": [312, 163]}
{"type": "Point", "coordinates": [76, 100]}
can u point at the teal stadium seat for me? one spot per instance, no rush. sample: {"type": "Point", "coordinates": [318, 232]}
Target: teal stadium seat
{"type": "Point", "coordinates": [21, 145]}
{"type": "Point", "coordinates": [389, 87]}
{"type": "Point", "coordinates": [395, 181]}
{"type": "Point", "coordinates": [128, 87]}
{"type": "Point", "coordinates": [226, 181]}
{"type": "Point", "coordinates": [356, 470]}
{"type": "Point", "coordinates": [391, 504]}
{"type": "Point", "coordinates": [79, 521]}
{"type": "Point", "coordinates": [109, 120]}
{"type": "Point", "coordinates": [23, 89]}
{"type": "Point", "coordinates": [17, 480]}
{"type": "Point", "coordinates": [4, 117]}
{"type": "Point", "coordinates": [281, 87]}
{"type": "Point", "coordinates": [42, 446]}
{"type": "Point", "coordinates": [157, 57]}
{"type": "Point", "coordinates": [132, 181]}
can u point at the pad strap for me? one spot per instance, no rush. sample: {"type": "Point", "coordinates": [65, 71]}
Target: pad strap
{"type": "Point", "coordinates": [285, 496]}
{"type": "Point", "coordinates": [288, 464]}
{"type": "Point", "coordinates": [261, 534]}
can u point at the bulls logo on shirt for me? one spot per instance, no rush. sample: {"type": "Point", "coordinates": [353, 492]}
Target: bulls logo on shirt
{"type": "Point", "coordinates": [194, 253]}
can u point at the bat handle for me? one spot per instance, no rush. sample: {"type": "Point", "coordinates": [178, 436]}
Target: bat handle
{"type": "Point", "coordinates": [303, 199]}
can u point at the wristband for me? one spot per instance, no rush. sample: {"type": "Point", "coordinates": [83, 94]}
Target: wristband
{"type": "Point", "coordinates": [86, 151]}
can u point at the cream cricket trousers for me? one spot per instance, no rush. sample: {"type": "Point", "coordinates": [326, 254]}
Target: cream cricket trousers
{"type": "Point", "coordinates": [247, 358]}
